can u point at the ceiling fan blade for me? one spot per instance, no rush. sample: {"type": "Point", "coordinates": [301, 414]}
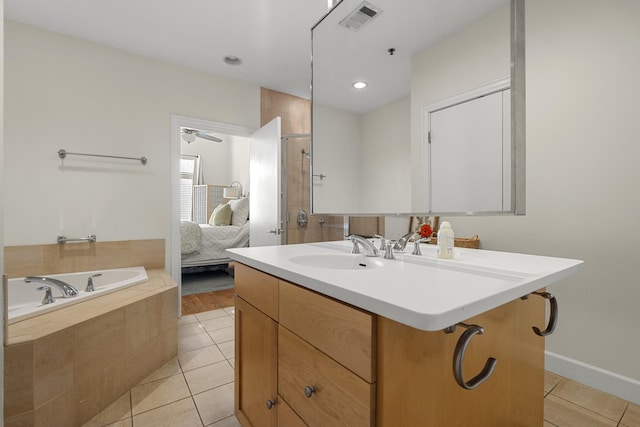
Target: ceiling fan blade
{"type": "Point", "coordinates": [209, 137]}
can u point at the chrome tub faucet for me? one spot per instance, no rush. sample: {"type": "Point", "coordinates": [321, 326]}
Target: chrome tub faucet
{"type": "Point", "coordinates": [68, 291]}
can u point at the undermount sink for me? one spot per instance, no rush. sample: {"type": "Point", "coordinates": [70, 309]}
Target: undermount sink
{"type": "Point", "coordinates": [337, 261]}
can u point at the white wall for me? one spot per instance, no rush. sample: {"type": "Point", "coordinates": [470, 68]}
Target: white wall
{"type": "Point", "coordinates": [336, 156]}
{"type": "Point", "coordinates": [385, 150]}
{"type": "Point", "coordinates": [68, 93]}
{"type": "Point", "coordinates": [583, 91]}
{"type": "Point", "coordinates": [222, 163]}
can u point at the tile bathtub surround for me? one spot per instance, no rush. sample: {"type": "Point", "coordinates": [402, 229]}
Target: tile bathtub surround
{"type": "Point", "coordinates": [20, 261]}
{"type": "Point", "coordinates": [193, 389]}
{"type": "Point", "coordinates": [206, 356]}
{"type": "Point", "coordinates": [84, 356]}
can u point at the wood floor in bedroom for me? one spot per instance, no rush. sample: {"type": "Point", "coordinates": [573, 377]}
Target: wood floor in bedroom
{"type": "Point", "coordinates": [199, 303]}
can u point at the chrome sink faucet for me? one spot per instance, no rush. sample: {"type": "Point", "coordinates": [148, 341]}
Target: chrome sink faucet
{"type": "Point", "coordinates": [367, 246]}
{"type": "Point", "coordinates": [67, 290]}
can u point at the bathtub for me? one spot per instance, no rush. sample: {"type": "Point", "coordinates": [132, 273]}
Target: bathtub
{"type": "Point", "coordinates": [25, 301]}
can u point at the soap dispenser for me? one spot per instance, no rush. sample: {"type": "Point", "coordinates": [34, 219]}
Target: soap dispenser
{"type": "Point", "coordinates": [445, 241]}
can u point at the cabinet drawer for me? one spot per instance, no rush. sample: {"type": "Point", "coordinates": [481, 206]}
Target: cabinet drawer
{"type": "Point", "coordinates": [258, 289]}
{"type": "Point", "coordinates": [341, 398]}
{"type": "Point", "coordinates": [341, 331]}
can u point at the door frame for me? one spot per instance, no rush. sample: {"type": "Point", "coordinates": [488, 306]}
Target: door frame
{"type": "Point", "coordinates": [178, 121]}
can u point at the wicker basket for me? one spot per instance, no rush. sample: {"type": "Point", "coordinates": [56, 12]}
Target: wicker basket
{"type": "Point", "coordinates": [461, 242]}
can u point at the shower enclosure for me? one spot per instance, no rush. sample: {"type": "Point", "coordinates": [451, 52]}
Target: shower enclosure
{"type": "Point", "coordinates": [299, 225]}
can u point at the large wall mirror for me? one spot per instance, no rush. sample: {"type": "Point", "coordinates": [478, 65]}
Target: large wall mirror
{"type": "Point", "coordinates": [439, 126]}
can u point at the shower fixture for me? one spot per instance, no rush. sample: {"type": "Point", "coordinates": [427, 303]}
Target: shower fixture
{"type": "Point", "coordinates": [190, 135]}
{"type": "Point", "coordinates": [304, 153]}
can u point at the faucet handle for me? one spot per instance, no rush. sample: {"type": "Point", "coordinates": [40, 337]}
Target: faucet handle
{"type": "Point", "coordinates": [388, 251]}
{"type": "Point", "coordinates": [90, 287]}
{"type": "Point", "coordinates": [383, 242]}
{"type": "Point", "coordinates": [355, 249]}
{"type": "Point", "coordinates": [416, 248]}
{"type": "Point", "coordinates": [48, 296]}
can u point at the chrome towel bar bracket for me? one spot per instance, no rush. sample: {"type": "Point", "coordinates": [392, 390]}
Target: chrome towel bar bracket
{"type": "Point", "coordinates": [553, 316]}
{"type": "Point", "coordinates": [458, 356]}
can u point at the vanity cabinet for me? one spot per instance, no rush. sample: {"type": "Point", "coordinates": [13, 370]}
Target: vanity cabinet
{"type": "Point", "coordinates": [256, 347]}
{"type": "Point", "coordinates": [322, 362]}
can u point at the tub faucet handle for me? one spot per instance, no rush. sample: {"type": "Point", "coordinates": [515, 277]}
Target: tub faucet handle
{"type": "Point", "coordinates": [48, 296]}
{"type": "Point", "coordinates": [90, 287]}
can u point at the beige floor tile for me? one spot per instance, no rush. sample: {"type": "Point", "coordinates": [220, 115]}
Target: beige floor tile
{"type": "Point", "coordinates": [222, 335]}
{"type": "Point", "coordinates": [191, 318]}
{"type": "Point", "coordinates": [548, 424]}
{"type": "Point", "coordinates": [152, 395]}
{"type": "Point", "coordinates": [118, 410]}
{"type": "Point", "coordinates": [232, 421]}
{"type": "Point", "coordinates": [170, 368]}
{"type": "Point", "coordinates": [181, 413]}
{"type": "Point", "coordinates": [595, 400]}
{"type": "Point", "coordinates": [193, 341]}
{"type": "Point", "coordinates": [228, 349]}
{"type": "Point", "coordinates": [209, 376]}
{"type": "Point", "coordinates": [207, 315]}
{"type": "Point", "coordinates": [200, 357]}
{"type": "Point", "coordinates": [232, 362]}
{"type": "Point", "coordinates": [631, 417]}
{"type": "Point", "coordinates": [217, 323]}
{"type": "Point", "coordinates": [190, 329]}
{"type": "Point", "coordinates": [563, 413]}
{"type": "Point", "coordinates": [550, 381]}
{"type": "Point", "coordinates": [231, 311]}
{"type": "Point", "coordinates": [128, 422]}
{"type": "Point", "coordinates": [216, 404]}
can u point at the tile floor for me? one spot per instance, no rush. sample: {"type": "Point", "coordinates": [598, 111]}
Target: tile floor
{"type": "Point", "coordinates": [196, 388]}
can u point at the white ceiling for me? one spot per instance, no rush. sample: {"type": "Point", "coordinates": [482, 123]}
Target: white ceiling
{"type": "Point", "coordinates": [273, 37]}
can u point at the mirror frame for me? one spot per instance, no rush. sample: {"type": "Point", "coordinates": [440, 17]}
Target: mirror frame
{"type": "Point", "coordinates": [518, 128]}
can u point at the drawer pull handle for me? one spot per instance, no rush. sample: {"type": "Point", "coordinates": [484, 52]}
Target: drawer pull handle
{"type": "Point", "coordinates": [309, 390]}
{"type": "Point", "coordinates": [271, 403]}
{"type": "Point", "coordinates": [553, 315]}
{"type": "Point", "coordinates": [458, 356]}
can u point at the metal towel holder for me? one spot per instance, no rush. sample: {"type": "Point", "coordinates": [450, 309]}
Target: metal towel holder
{"type": "Point", "coordinates": [63, 239]}
{"type": "Point", "coordinates": [553, 316]}
{"type": "Point", "coordinates": [458, 356]}
{"type": "Point", "coordinates": [62, 153]}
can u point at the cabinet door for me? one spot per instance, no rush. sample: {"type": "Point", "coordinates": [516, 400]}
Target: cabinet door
{"type": "Point", "coordinates": [320, 390]}
{"type": "Point", "coordinates": [256, 366]}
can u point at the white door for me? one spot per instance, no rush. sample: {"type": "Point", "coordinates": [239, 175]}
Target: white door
{"type": "Point", "coordinates": [265, 219]}
{"type": "Point", "coordinates": [470, 156]}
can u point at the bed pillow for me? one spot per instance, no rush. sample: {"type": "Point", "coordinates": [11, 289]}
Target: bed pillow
{"type": "Point", "coordinates": [240, 209]}
{"type": "Point", "coordinates": [221, 215]}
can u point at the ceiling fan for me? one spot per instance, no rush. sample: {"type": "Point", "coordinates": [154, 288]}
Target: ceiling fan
{"type": "Point", "coordinates": [190, 135]}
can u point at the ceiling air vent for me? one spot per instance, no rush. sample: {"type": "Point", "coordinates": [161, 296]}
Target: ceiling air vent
{"type": "Point", "coordinates": [361, 16]}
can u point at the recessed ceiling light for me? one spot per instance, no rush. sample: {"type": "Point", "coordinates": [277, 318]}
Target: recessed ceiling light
{"type": "Point", "coordinates": [360, 85]}
{"type": "Point", "coordinates": [233, 60]}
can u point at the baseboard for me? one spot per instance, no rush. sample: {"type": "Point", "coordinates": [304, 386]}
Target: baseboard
{"type": "Point", "coordinates": [592, 376]}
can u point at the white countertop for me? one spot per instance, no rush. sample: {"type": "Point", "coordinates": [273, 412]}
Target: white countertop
{"type": "Point", "coordinates": [420, 291]}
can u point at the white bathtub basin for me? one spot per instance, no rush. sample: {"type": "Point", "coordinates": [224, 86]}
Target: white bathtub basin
{"type": "Point", "coordinates": [25, 300]}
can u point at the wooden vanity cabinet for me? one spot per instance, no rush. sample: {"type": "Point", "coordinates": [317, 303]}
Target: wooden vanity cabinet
{"type": "Point", "coordinates": [256, 347]}
{"type": "Point", "coordinates": [330, 364]}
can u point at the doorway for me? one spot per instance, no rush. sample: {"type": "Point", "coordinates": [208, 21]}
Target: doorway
{"type": "Point", "coordinates": [178, 123]}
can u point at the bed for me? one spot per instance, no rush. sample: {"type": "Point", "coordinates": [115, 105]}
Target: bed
{"type": "Point", "coordinates": [205, 244]}
{"type": "Point", "coordinates": [213, 242]}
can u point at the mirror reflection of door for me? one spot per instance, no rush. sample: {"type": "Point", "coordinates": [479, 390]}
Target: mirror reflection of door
{"type": "Point", "coordinates": [480, 179]}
